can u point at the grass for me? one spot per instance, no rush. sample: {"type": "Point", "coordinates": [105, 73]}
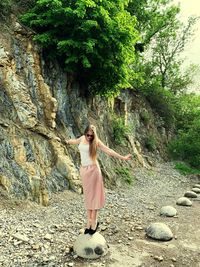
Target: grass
{"type": "Point", "coordinates": [185, 169]}
{"type": "Point", "coordinates": [125, 174]}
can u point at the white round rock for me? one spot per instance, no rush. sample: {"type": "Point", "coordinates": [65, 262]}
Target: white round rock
{"type": "Point", "coordinates": [90, 246]}
{"type": "Point", "coordinates": [159, 231]}
{"type": "Point", "coordinates": [168, 211]}
{"type": "Point", "coordinates": [196, 190]}
{"type": "Point", "coordinates": [184, 201]}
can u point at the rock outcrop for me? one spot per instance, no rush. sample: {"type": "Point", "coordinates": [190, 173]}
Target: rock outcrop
{"type": "Point", "coordinates": [37, 105]}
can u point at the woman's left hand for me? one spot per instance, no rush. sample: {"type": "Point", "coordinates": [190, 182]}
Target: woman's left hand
{"type": "Point", "coordinates": [128, 157]}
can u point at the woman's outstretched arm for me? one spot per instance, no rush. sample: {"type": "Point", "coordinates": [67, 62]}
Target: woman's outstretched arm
{"type": "Point", "coordinates": [111, 152]}
{"type": "Point", "coordinates": [73, 141]}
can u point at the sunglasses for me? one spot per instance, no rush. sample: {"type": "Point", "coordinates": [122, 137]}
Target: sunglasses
{"type": "Point", "coordinates": [90, 135]}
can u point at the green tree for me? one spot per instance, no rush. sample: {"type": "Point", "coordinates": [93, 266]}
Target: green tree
{"type": "Point", "coordinates": [152, 16]}
{"type": "Point", "coordinates": [165, 38]}
{"type": "Point", "coordinates": [158, 71]}
{"type": "Point", "coordinates": [166, 51]}
{"type": "Point", "coordinates": [186, 144]}
{"type": "Point", "coordinates": [94, 40]}
{"type": "Point", "coordinates": [187, 111]}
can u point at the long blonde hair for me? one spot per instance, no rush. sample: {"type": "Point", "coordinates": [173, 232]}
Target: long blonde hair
{"type": "Point", "coordinates": [93, 143]}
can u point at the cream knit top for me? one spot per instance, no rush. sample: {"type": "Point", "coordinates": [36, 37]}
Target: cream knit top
{"type": "Point", "coordinates": [84, 153]}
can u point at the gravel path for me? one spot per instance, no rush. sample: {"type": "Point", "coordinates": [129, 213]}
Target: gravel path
{"type": "Point", "coordinates": [32, 235]}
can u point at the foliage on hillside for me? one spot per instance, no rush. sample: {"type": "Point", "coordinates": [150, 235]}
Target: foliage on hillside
{"type": "Point", "coordinates": [5, 7]}
{"type": "Point", "coordinates": [186, 145]}
{"type": "Point", "coordinates": [94, 40]}
{"type": "Point", "coordinates": [160, 77]}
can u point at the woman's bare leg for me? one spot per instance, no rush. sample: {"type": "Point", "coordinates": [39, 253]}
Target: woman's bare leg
{"type": "Point", "coordinates": [89, 218]}
{"type": "Point", "coordinates": [94, 216]}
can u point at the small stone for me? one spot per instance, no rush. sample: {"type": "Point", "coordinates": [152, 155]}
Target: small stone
{"type": "Point", "coordinates": [168, 211]}
{"type": "Point", "coordinates": [151, 208]}
{"type": "Point", "coordinates": [45, 259]}
{"type": "Point", "coordinates": [103, 227]}
{"type": "Point", "coordinates": [81, 231]}
{"type": "Point", "coordinates": [159, 231]}
{"type": "Point", "coordinates": [67, 250]}
{"type": "Point", "coordinates": [184, 201]}
{"type": "Point", "coordinates": [173, 259]}
{"type": "Point", "coordinates": [196, 190]}
{"type": "Point", "coordinates": [17, 242]}
{"type": "Point", "coordinates": [21, 237]}
{"type": "Point", "coordinates": [36, 225]}
{"type": "Point", "coordinates": [190, 194]}
{"type": "Point", "coordinates": [159, 258]}
{"type": "Point", "coordinates": [108, 220]}
{"type": "Point", "coordinates": [48, 237]}
{"type": "Point", "coordinates": [139, 228]}
{"type": "Point", "coordinates": [35, 246]}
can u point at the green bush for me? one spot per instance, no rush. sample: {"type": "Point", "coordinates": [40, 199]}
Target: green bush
{"type": "Point", "coordinates": [187, 111]}
{"type": "Point", "coordinates": [5, 7]}
{"type": "Point", "coordinates": [185, 169]}
{"type": "Point", "coordinates": [125, 174]}
{"type": "Point", "coordinates": [163, 102]}
{"type": "Point", "coordinates": [5, 3]}
{"type": "Point", "coordinates": [120, 130]}
{"type": "Point", "coordinates": [145, 117]}
{"type": "Point", "coordinates": [186, 146]}
{"type": "Point", "coordinates": [151, 142]}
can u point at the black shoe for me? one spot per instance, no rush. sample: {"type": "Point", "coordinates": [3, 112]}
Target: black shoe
{"type": "Point", "coordinates": [87, 231]}
{"type": "Point", "coordinates": [91, 231]}
{"type": "Point", "coordinates": [97, 226]}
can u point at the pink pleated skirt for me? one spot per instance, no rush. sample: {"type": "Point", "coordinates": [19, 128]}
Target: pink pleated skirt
{"type": "Point", "coordinates": [93, 187]}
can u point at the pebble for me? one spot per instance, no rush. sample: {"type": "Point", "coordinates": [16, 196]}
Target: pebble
{"type": "Point", "coordinates": [158, 258]}
{"type": "Point", "coordinates": [21, 237]}
{"type": "Point", "coordinates": [173, 259]}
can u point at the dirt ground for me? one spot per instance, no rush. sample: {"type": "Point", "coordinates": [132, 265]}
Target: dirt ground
{"type": "Point", "coordinates": [127, 213]}
{"type": "Point", "coordinates": [182, 251]}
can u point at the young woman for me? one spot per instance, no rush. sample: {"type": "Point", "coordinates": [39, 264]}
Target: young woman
{"type": "Point", "coordinates": [92, 181]}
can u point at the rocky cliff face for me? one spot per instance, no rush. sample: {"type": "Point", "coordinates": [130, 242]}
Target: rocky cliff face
{"type": "Point", "coordinates": [36, 105]}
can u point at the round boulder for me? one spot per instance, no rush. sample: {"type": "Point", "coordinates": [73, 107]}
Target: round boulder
{"type": "Point", "coordinates": [168, 211]}
{"type": "Point", "coordinates": [159, 231]}
{"type": "Point", "coordinates": [190, 194]}
{"type": "Point", "coordinates": [197, 185]}
{"type": "Point", "coordinates": [184, 201]}
{"type": "Point", "coordinates": [196, 190]}
{"type": "Point", "coordinates": [90, 246]}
